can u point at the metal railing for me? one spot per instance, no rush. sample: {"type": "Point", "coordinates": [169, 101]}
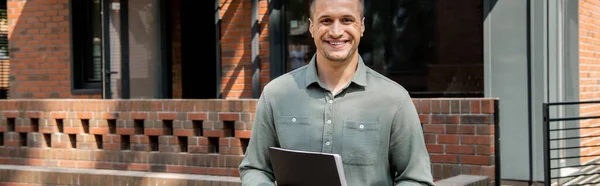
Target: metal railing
{"type": "Point", "coordinates": [585, 174]}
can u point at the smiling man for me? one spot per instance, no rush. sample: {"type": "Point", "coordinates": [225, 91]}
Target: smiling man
{"type": "Point", "coordinates": [336, 104]}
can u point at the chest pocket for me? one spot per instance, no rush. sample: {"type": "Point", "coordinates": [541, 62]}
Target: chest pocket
{"type": "Point", "coordinates": [361, 142]}
{"type": "Point", "coordinates": [293, 132]}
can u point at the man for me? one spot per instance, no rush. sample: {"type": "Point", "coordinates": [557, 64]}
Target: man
{"type": "Point", "coordinates": [336, 104]}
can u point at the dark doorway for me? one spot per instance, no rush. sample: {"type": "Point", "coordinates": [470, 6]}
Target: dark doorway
{"type": "Point", "coordinates": [199, 49]}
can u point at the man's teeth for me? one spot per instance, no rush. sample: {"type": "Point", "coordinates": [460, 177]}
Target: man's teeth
{"type": "Point", "coordinates": [337, 43]}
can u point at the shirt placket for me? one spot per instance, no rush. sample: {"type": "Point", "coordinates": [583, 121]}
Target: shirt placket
{"type": "Point", "coordinates": [328, 119]}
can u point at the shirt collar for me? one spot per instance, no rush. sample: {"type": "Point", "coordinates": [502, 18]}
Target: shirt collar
{"type": "Point", "coordinates": [360, 77]}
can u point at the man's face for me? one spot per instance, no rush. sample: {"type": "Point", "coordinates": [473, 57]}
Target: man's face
{"type": "Point", "coordinates": [336, 27]}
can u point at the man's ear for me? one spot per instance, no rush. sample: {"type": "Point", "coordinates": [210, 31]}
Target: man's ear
{"type": "Point", "coordinates": [362, 27]}
{"type": "Point", "coordinates": [310, 27]}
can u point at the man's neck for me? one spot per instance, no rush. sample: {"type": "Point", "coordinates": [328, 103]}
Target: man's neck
{"type": "Point", "coordinates": [336, 74]}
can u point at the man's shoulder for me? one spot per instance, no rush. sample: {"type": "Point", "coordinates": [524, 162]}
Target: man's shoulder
{"type": "Point", "coordinates": [286, 82]}
{"type": "Point", "coordinates": [386, 86]}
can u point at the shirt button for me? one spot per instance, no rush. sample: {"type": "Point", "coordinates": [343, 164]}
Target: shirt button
{"type": "Point", "coordinates": [328, 121]}
{"type": "Point", "coordinates": [327, 143]}
{"type": "Point", "coordinates": [330, 101]}
{"type": "Point", "coordinates": [361, 126]}
{"type": "Point", "coordinates": [293, 119]}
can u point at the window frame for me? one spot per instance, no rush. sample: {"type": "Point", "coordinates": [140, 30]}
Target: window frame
{"type": "Point", "coordinates": [82, 48]}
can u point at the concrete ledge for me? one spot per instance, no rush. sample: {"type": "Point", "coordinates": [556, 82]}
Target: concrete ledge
{"type": "Point", "coordinates": [74, 176]}
{"type": "Point", "coordinates": [464, 180]}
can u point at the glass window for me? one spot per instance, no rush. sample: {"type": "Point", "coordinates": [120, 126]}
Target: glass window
{"type": "Point", "coordinates": [3, 30]}
{"type": "Point", "coordinates": [87, 40]}
{"type": "Point", "coordinates": [434, 48]}
{"type": "Point", "coordinates": [144, 53]}
{"type": "Point", "coordinates": [300, 44]}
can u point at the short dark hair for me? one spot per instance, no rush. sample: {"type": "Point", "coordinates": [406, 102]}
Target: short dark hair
{"type": "Point", "coordinates": [311, 7]}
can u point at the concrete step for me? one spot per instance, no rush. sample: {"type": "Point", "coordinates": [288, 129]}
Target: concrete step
{"type": "Point", "coordinates": [34, 175]}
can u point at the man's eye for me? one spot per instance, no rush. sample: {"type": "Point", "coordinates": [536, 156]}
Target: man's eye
{"type": "Point", "coordinates": [347, 20]}
{"type": "Point", "coordinates": [325, 21]}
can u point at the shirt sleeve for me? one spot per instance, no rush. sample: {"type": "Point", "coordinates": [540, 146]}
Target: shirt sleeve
{"type": "Point", "coordinates": [409, 158]}
{"type": "Point", "coordinates": [255, 168]}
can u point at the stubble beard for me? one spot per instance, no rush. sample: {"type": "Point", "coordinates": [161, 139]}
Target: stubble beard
{"type": "Point", "coordinates": [349, 54]}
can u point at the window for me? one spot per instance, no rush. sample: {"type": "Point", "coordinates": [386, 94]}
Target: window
{"type": "Point", "coordinates": [4, 58]}
{"type": "Point", "coordinates": [87, 51]}
{"type": "Point", "coordinates": [433, 48]}
{"type": "Point", "coordinates": [3, 31]}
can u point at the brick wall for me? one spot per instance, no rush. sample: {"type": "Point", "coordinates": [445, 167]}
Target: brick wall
{"type": "Point", "coordinates": [40, 52]}
{"type": "Point", "coordinates": [4, 78]}
{"type": "Point", "coordinates": [589, 71]}
{"type": "Point", "coordinates": [236, 47]}
{"type": "Point", "coordinates": [39, 49]}
{"type": "Point", "coordinates": [205, 137]}
{"type": "Point", "coordinates": [459, 134]}
{"type": "Point", "coordinates": [197, 137]}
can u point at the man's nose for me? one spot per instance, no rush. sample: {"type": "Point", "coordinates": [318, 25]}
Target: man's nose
{"type": "Point", "coordinates": [336, 30]}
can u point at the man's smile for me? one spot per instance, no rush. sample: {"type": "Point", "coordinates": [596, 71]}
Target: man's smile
{"type": "Point", "coordinates": [337, 43]}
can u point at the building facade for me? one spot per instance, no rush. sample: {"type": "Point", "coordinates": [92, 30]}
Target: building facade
{"type": "Point", "coordinates": [479, 71]}
{"type": "Point", "coordinates": [145, 49]}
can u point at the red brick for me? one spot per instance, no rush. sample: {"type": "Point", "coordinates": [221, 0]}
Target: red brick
{"type": "Point", "coordinates": [84, 115]}
{"type": "Point", "coordinates": [244, 134]}
{"type": "Point", "coordinates": [218, 171]}
{"type": "Point", "coordinates": [183, 132]}
{"type": "Point", "coordinates": [99, 130]}
{"type": "Point", "coordinates": [460, 129]}
{"type": "Point", "coordinates": [197, 116]}
{"type": "Point", "coordinates": [475, 140]}
{"type": "Point", "coordinates": [484, 150]}
{"type": "Point", "coordinates": [444, 158]}
{"type": "Point", "coordinates": [154, 131]}
{"type": "Point", "coordinates": [231, 150]}
{"type": "Point", "coordinates": [176, 169]}
{"type": "Point", "coordinates": [112, 146]}
{"type": "Point", "coordinates": [487, 106]}
{"type": "Point", "coordinates": [230, 142]}
{"type": "Point", "coordinates": [424, 118]}
{"type": "Point", "coordinates": [430, 138]}
{"type": "Point", "coordinates": [35, 162]}
{"type": "Point", "coordinates": [200, 148]}
{"type": "Point", "coordinates": [85, 164]}
{"type": "Point", "coordinates": [435, 129]}
{"type": "Point", "coordinates": [447, 139]}
{"type": "Point", "coordinates": [459, 149]}
{"type": "Point", "coordinates": [66, 163]}
{"type": "Point", "coordinates": [475, 106]}
{"type": "Point", "coordinates": [229, 116]}
{"type": "Point", "coordinates": [485, 129]}
{"type": "Point", "coordinates": [59, 115]}
{"type": "Point", "coordinates": [11, 114]}
{"type": "Point", "coordinates": [216, 133]}
{"type": "Point", "coordinates": [126, 131]}
{"type": "Point", "coordinates": [73, 130]}
{"type": "Point", "coordinates": [139, 115]}
{"type": "Point", "coordinates": [167, 116]}
{"type": "Point", "coordinates": [138, 167]}
{"type": "Point", "coordinates": [425, 106]}
{"type": "Point", "coordinates": [34, 114]}
{"type": "Point", "coordinates": [433, 148]}
{"type": "Point", "coordinates": [110, 115]}
{"type": "Point", "coordinates": [475, 160]}
{"type": "Point", "coordinates": [198, 170]}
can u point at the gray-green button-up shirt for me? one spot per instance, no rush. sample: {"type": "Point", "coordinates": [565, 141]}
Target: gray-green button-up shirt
{"type": "Point", "coordinates": [372, 123]}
